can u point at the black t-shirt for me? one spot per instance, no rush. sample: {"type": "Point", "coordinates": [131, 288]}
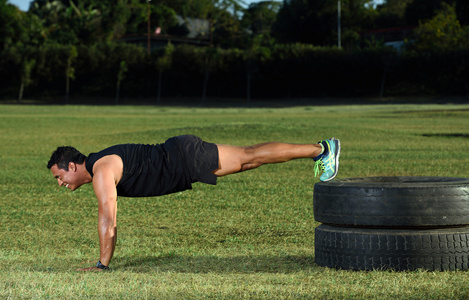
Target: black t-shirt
{"type": "Point", "coordinates": [149, 170]}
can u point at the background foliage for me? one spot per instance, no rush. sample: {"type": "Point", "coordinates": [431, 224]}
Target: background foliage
{"type": "Point", "coordinates": [266, 50]}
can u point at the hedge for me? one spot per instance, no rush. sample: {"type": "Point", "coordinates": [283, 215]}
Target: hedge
{"type": "Point", "coordinates": [284, 71]}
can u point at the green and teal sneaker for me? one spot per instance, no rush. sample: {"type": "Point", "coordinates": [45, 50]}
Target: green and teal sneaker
{"type": "Point", "coordinates": [328, 161]}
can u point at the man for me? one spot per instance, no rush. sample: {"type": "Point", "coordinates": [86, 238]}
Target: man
{"type": "Point", "coordinates": [137, 170]}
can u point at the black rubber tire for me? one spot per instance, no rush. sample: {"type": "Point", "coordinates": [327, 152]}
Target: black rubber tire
{"type": "Point", "coordinates": [393, 202]}
{"type": "Point", "coordinates": [394, 249]}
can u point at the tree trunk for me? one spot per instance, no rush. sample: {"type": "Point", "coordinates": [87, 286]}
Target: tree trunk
{"type": "Point", "coordinates": [204, 93]}
{"type": "Point", "coordinates": [158, 95]}
{"type": "Point", "coordinates": [118, 87]}
{"type": "Point", "coordinates": [20, 97]}
{"type": "Point", "coordinates": [383, 81]}
{"type": "Point", "coordinates": [248, 92]}
{"type": "Point", "coordinates": [67, 90]}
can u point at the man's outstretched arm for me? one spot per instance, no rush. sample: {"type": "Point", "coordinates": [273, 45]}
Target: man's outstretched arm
{"type": "Point", "coordinates": [105, 189]}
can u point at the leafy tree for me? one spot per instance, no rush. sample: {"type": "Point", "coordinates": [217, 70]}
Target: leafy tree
{"type": "Point", "coordinates": [233, 6]}
{"type": "Point", "coordinates": [392, 13]}
{"type": "Point", "coordinates": [90, 21]}
{"type": "Point", "coordinates": [208, 58]}
{"type": "Point", "coordinates": [419, 10]}
{"type": "Point", "coordinates": [72, 54]}
{"type": "Point", "coordinates": [20, 35]}
{"type": "Point", "coordinates": [225, 30]}
{"type": "Point", "coordinates": [160, 16]}
{"type": "Point", "coordinates": [462, 10]}
{"type": "Point", "coordinates": [190, 8]}
{"type": "Point", "coordinates": [356, 16]}
{"type": "Point", "coordinates": [27, 68]}
{"type": "Point", "coordinates": [83, 22]}
{"type": "Point", "coordinates": [442, 32]}
{"type": "Point", "coordinates": [422, 10]}
{"type": "Point", "coordinates": [53, 14]}
{"type": "Point", "coordinates": [163, 63]}
{"type": "Point", "coordinates": [114, 16]}
{"type": "Point", "coordinates": [120, 77]}
{"type": "Point", "coordinates": [315, 21]}
{"type": "Point", "coordinates": [10, 23]}
{"type": "Point", "coordinates": [67, 22]}
{"type": "Point", "coordinates": [295, 23]}
{"type": "Point", "coordinates": [19, 28]}
{"type": "Point", "coordinates": [255, 53]}
{"type": "Point", "coordinates": [223, 16]}
{"type": "Point", "coordinates": [259, 18]}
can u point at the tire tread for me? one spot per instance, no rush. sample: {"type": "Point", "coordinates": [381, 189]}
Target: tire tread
{"type": "Point", "coordinates": [370, 249]}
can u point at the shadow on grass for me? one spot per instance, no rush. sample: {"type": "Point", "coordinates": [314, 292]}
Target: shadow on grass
{"type": "Point", "coordinates": [449, 135]}
{"type": "Point", "coordinates": [214, 264]}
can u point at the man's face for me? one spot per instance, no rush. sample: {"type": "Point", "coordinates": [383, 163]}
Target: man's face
{"type": "Point", "coordinates": [69, 179]}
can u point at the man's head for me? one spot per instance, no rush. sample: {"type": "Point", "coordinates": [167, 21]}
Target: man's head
{"type": "Point", "coordinates": [64, 155]}
{"type": "Point", "coordinates": [66, 166]}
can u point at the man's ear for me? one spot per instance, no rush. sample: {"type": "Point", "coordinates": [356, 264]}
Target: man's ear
{"type": "Point", "coordinates": [72, 166]}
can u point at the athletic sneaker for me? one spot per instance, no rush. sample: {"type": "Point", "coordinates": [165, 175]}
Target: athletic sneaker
{"type": "Point", "coordinates": [328, 161]}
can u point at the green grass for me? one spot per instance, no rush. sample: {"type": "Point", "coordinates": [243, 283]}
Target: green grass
{"type": "Point", "coordinates": [251, 236]}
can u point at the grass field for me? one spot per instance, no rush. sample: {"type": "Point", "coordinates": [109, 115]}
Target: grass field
{"type": "Point", "coordinates": [251, 236]}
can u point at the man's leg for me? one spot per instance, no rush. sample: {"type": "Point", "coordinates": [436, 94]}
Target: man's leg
{"type": "Point", "coordinates": [233, 159]}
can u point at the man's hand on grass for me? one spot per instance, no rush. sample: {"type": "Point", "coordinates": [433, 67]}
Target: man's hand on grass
{"type": "Point", "coordinates": [92, 269]}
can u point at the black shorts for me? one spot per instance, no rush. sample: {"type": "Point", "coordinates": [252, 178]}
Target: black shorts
{"type": "Point", "coordinates": [200, 157]}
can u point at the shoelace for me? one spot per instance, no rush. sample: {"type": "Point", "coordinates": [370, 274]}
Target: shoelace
{"type": "Point", "coordinates": [319, 167]}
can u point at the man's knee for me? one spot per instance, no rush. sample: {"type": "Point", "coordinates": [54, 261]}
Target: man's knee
{"type": "Point", "coordinates": [229, 159]}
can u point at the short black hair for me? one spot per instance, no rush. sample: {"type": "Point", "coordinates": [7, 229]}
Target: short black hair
{"type": "Point", "coordinates": [64, 155]}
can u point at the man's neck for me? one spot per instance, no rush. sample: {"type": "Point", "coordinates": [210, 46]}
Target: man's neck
{"type": "Point", "coordinates": [84, 174]}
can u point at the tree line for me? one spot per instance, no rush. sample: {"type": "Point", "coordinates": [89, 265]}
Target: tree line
{"type": "Point", "coordinates": [266, 50]}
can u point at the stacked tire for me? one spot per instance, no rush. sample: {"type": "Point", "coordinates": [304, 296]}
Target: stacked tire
{"type": "Point", "coordinates": [398, 223]}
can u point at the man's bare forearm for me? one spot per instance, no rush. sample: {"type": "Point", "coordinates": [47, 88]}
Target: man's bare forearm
{"type": "Point", "coordinates": [107, 242]}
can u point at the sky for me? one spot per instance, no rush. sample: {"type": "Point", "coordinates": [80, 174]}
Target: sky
{"type": "Point", "coordinates": [24, 4]}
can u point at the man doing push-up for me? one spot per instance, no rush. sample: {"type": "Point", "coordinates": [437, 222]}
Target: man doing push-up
{"type": "Point", "coordinates": [138, 170]}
